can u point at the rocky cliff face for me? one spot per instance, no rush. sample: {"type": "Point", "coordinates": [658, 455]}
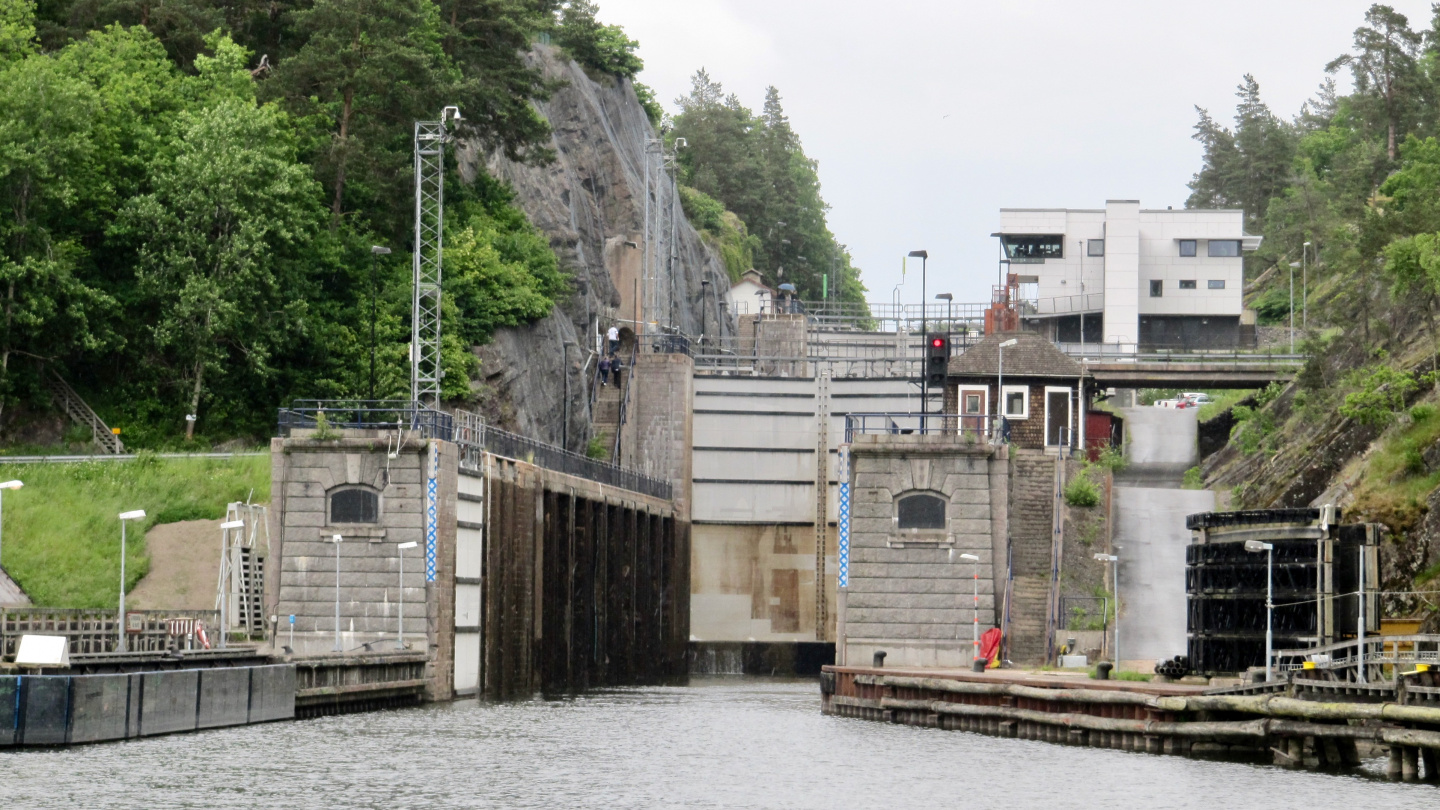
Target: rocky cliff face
{"type": "Point", "coordinates": [591, 202]}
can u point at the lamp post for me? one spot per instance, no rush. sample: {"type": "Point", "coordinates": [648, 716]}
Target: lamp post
{"type": "Point", "coordinates": [225, 575]}
{"type": "Point", "coordinates": [1114, 561]}
{"type": "Point", "coordinates": [1269, 549]}
{"type": "Point", "coordinates": [1000, 384]}
{"type": "Point", "coordinates": [1293, 265]}
{"type": "Point", "coordinates": [337, 540]}
{"type": "Point", "coordinates": [975, 610]}
{"type": "Point", "coordinates": [1305, 287]}
{"type": "Point", "coordinates": [5, 486]}
{"type": "Point", "coordinates": [125, 517]}
{"type": "Point", "coordinates": [375, 250]}
{"type": "Point", "coordinates": [924, 258]}
{"type": "Point", "coordinates": [400, 552]}
{"type": "Point", "coordinates": [949, 324]}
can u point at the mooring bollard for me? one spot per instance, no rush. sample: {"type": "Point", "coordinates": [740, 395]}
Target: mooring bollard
{"type": "Point", "coordinates": [879, 659]}
{"type": "Point", "coordinates": [1102, 670]}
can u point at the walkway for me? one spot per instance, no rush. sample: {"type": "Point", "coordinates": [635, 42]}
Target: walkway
{"type": "Point", "coordinates": [1150, 510]}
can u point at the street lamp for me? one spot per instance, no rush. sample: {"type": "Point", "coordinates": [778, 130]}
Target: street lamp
{"type": "Point", "coordinates": [1269, 549]}
{"type": "Point", "coordinates": [1293, 265]}
{"type": "Point", "coordinates": [1114, 561]}
{"type": "Point", "coordinates": [375, 250]}
{"type": "Point", "coordinates": [924, 258]}
{"type": "Point", "coordinates": [125, 517]}
{"type": "Point", "coordinates": [400, 552]}
{"type": "Point", "coordinates": [337, 540]}
{"type": "Point", "coordinates": [225, 577]}
{"type": "Point", "coordinates": [1305, 286]}
{"type": "Point", "coordinates": [1000, 384]}
{"type": "Point", "coordinates": [949, 324]}
{"type": "Point", "coordinates": [975, 610]}
{"type": "Point", "coordinates": [9, 485]}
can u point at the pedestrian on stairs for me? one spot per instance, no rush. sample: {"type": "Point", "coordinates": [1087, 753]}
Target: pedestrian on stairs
{"type": "Point", "coordinates": [604, 371]}
{"type": "Point", "coordinates": [615, 367]}
{"type": "Point", "coordinates": [614, 337]}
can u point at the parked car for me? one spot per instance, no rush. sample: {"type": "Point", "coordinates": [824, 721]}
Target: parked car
{"type": "Point", "coordinates": [1197, 398]}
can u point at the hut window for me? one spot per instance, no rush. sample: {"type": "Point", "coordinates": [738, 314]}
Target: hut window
{"type": "Point", "coordinates": [921, 511]}
{"type": "Point", "coordinates": [354, 506]}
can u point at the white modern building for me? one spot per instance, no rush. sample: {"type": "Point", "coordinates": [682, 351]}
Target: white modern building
{"type": "Point", "coordinates": [1129, 275]}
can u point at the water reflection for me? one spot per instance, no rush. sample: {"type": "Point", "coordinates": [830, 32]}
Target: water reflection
{"type": "Point", "coordinates": [723, 742]}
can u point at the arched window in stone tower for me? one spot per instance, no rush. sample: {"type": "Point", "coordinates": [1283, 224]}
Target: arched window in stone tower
{"type": "Point", "coordinates": [354, 505]}
{"type": "Point", "coordinates": [920, 510]}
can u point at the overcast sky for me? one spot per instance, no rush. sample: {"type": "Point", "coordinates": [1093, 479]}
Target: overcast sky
{"type": "Point", "coordinates": [928, 116]}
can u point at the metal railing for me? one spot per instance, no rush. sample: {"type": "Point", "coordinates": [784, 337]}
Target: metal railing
{"type": "Point", "coordinates": [1063, 305]}
{"type": "Point", "coordinates": [1343, 657]}
{"type": "Point", "coordinates": [475, 437]}
{"type": "Point", "coordinates": [976, 428]}
{"type": "Point", "coordinates": [1156, 354]}
{"type": "Point", "coordinates": [355, 414]}
{"type": "Point", "coordinates": [93, 632]}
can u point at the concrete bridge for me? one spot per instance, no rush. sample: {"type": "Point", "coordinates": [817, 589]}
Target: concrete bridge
{"type": "Point", "coordinates": [1198, 372]}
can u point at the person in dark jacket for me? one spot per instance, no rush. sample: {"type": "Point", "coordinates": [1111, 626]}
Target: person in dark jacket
{"type": "Point", "coordinates": [616, 365]}
{"type": "Point", "coordinates": [604, 371]}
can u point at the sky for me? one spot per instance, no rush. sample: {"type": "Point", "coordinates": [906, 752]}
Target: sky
{"type": "Point", "coordinates": [928, 116]}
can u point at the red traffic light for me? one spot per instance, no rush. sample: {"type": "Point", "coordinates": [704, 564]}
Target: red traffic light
{"type": "Point", "coordinates": [937, 342]}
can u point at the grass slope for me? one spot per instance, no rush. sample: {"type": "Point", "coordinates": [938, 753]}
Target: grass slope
{"type": "Point", "coordinates": [61, 535]}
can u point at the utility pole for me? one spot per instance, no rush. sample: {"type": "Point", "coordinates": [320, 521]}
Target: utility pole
{"type": "Point", "coordinates": [426, 369]}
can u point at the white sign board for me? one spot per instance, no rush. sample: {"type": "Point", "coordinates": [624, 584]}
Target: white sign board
{"type": "Point", "coordinates": [43, 651]}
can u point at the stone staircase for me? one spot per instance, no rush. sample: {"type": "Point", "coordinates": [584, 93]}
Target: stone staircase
{"type": "Point", "coordinates": [1032, 510]}
{"type": "Point", "coordinates": [605, 419]}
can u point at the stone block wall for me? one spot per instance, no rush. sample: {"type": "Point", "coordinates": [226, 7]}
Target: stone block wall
{"type": "Point", "coordinates": [656, 437]}
{"type": "Point", "coordinates": [907, 595]}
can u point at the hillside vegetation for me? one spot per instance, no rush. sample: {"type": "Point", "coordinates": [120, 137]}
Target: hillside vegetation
{"type": "Point", "coordinates": [1357, 176]}
{"type": "Point", "coordinates": [62, 537]}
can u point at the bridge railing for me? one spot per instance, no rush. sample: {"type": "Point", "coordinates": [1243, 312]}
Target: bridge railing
{"type": "Point", "coordinates": [976, 428]}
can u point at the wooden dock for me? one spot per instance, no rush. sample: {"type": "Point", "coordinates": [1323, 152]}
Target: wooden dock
{"type": "Point", "coordinates": [1299, 722]}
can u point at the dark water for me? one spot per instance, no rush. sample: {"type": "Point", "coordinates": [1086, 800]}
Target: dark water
{"type": "Point", "coordinates": [718, 743]}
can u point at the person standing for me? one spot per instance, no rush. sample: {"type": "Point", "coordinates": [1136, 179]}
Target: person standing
{"type": "Point", "coordinates": [614, 337]}
{"type": "Point", "coordinates": [615, 367]}
{"type": "Point", "coordinates": [604, 371]}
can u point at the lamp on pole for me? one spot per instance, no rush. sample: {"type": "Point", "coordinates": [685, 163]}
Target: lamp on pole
{"type": "Point", "coordinates": [1305, 286]}
{"type": "Point", "coordinates": [1293, 265]}
{"type": "Point", "coordinates": [924, 258]}
{"type": "Point", "coordinates": [1269, 549]}
{"type": "Point", "coordinates": [337, 540]}
{"type": "Point", "coordinates": [975, 609]}
{"type": "Point", "coordinates": [400, 552]}
{"type": "Point", "coordinates": [125, 517]}
{"type": "Point", "coordinates": [375, 251]}
{"type": "Point", "coordinates": [949, 324]}
{"type": "Point", "coordinates": [5, 486]}
{"type": "Point", "coordinates": [1114, 561]}
{"type": "Point", "coordinates": [1000, 385]}
{"type": "Point", "coordinates": [225, 574]}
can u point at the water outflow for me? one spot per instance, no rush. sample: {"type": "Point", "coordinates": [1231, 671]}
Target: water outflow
{"type": "Point", "coordinates": [730, 742]}
{"type": "Point", "coordinates": [726, 660]}
{"type": "Point", "coordinates": [1150, 509]}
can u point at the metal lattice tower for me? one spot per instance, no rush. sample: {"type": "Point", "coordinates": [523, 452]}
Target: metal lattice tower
{"type": "Point", "coordinates": [426, 370]}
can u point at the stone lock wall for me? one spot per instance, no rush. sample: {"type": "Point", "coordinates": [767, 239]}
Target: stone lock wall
{"type": "Point", "coordinates": [906, 595]}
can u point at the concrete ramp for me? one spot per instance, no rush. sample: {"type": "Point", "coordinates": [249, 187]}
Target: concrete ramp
{"type": "Point", "coordinates": [10, 594]}
{"type": "Point", "coordinates": [1150, 509]}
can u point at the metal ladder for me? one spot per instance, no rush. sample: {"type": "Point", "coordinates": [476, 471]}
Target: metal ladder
{"type": "Point", "coordinates": [75, 407]}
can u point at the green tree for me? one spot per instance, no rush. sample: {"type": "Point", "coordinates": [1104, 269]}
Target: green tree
{"type": "Point", "coordinates": [1385, 70]}
{"type": "Point", "coordinates": [1248, 167]}
{"type": "Point", "coordinates": [369, 68]}
{"type": "Point", "coordinates": [17, 29]}
{"type": "Point", "coordinates": [218, 237]}
{"type": "Point", "coordinates": [46, 151]}
{"type": "Point", "coordinates": [600, 47]}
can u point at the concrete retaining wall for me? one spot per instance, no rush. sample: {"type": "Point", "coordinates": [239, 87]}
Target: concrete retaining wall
{"type": "Point", "coordinates": [70, 709]}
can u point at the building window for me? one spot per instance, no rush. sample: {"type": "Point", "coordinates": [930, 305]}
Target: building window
{"type": "Point", "coordinates": [922, 510]}
{"type": "Point", "coordinates": [1023, 249]}
{"type": "Point", "coordinates": [1224, 247]}
{"type": "Point", "coordinates": [1187, 247]}
{"type": "Point", "coordinates": [1157, 288]}
{"type": "Point", "coordinates": [1215, 284]}
{"type": "Point", "coordinates": [972, 403]}
{"type": "Point", "coordinates": [1095, 247]}
{"type": "Point", "coordinates": [354, 505]}
{"type": "Point", "coordinates": [1187, 284]}
{"type": "Point", "coordinates": [1017, 401]}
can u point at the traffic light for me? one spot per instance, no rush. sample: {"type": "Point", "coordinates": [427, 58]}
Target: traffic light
{"type": "Point", "coordinates": [937, 359]}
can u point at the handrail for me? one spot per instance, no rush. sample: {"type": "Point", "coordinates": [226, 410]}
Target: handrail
{"type": "Point", "coordinates": [972, 427]}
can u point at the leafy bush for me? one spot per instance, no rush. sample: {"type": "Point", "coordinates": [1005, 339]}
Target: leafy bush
{"type": "Point", "coordinates": [597, 449]}
{"type": "Point", "coordinates": [1082, 492]}
{"type": "Point", "coordinates": [1422, 412]}
{"type": "Point", "coordinates": [722, 229]}
{"type": "Point", "coordinates": [1379, 395]}
{"type": "Point", "coordinates": [1414, 462]}
{"type": "Point", "coordinates": [1253, 429]}
{"type": "Point", "coordinates": [1193, 479]}
{"type": "Point", "coordinates": [646, 97]}
{"type": "Point", "coordinates": [1112, 459]}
